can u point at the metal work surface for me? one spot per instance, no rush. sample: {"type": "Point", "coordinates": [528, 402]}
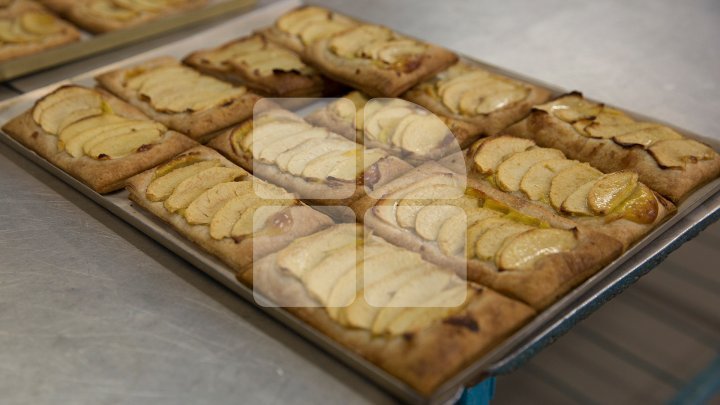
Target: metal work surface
{"type": "Point", "coordinates": [93, 313]}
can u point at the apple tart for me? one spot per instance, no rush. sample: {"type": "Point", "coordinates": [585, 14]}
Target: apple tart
{"type": "Point", "coordinates": [476, 102]}
{"type": "Point", "coordinates": [100, 16]}
{"type": "Point", "coordinates": [492, 238]}
{"type": "Point", "coordinates": [301, 27]}
{"type": "Point", "coordinates": [27, 28]}
{"type": "Point", "coordinates": [262, 66]}
{"type": "Point", "coordinates": [616, 203]}
{"type": "Point", "coordinates": [222, 208]}
{"type": "Point", "coordinates": [321, 166]}
{"type": "Point", "coordinates": [415, 320]}
{"type": "Point", "coordinates": [377, 60]}
{"type": "Point", "coordinates": [94, 136]}
{"type": "Point", "coordinates": [607, 138]}
{"type": "Point", "coordinates": [195, 104]}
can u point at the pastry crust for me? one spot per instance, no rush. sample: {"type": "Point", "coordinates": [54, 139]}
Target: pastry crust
{"type": "Point", "coordinates": [81, 13]}
{"type": "Point", "coordinates": [469, 128]}
{"type": "Point", "coordinates": [66, 33]}
{"type": "Point", "coordinates": [548, 279]}
{"type": "Point", "coordinates": [608, 156]}
{"type": "Point", "coordinates": [199, 125]}
{"type": "Point", "coordinates": [423, 359]}
{"type": "Point", "coordinates": [236, 254]}
{"type": "Point", "coordinates": [103, 176]}
{"type": "Point", "coordinates": [374, 80]}
{"type": "Point", "coordinates": [328, 193]}
{"type": "Point", "coordinates": [278, 84]}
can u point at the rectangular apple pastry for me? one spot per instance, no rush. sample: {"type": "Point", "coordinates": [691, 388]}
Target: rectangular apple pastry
{"type": "Point", "coordinates": [610, 140]}
{"type": "Point", "coordinates": [476, 102]}
{"type": "Point", "coordinates": [377, 60]}
{"type": "Point", "coordinates": [94, 136]}
{"type": "Point", "coordinates": [321, 166]}
{"type": "Point", "coordinates": [27, 27]}
{"type": "Point", "coordinates": [100, 16]}
{"type": "Point", "coordinates": [400, 127]}
{"type": "Point", "coordinates": [413, 319]}
{"type": "Point", "coordinates": [264, 67]}
{"type": "Point", "coordinates": [222, 208]}
{"type": "Point", "coordinates": [496, 242]}
{"type": "Point", "coordinates": [195, 104]}
{"type": "Point", "coordinates": [301, 27]}
{"type": "Point", "coordinates": [617, 203]}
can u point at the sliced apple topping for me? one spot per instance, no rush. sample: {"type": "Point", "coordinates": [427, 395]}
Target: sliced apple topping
{"type": "Point", "coordinates": [191, 188]}
{"type": "Point", "coordinates": [415, 200]}
{"type": "Point", "coordinates": [381, 123]}
{"type": "Point", "coordinates": [421, 134]}
{"type": "Point", "coordinates": [117, 135]}
{"type": "Point", "coordinates": [572, 108]}
{"type": "Point", "coordinates": [438, 307]}
{"type": "Point", "coordinates": [577, 202]}
{"type": "Point", "coordinates": [471, 91]}
{"type": "Point", "coordinates": [297, 163]}
{"type": "Point", "coordinates": [646, 137]}
{"type": "Point", "coordinates": [39, 23]}
{"type": "Point", "coordinates": [108, 9]}
{"type": "Point", "coordinates": [386, 208]}
{"type": "Point", "coordinates": [492, 152]}
{"type": "Point", "coordinates": [641, 207]}
{"type": "Point", "coordinates": [52, 111]}
{"type": "Point", "coordinates": [312, 23]}
{"type": "Point", "coordinates": [490, 242]}
{"type": "Point", "coordinates": [351, 43]}
{"type": "Point", "coordinates": [523, 250]}
{"type": "Point", "coordinates": [678, 153]}
{"type": "Point", "coordinates": [610, 190]}
{"type": "Point", "coordinates": [603, 131]}
{"type": "Point", "coordinates": [204, 207]}
{"type": "Point", "coordinates": [375, 43]}
{"type": "Point", "coordinates": [257, 56]}
{"type": "Point", "coordinates": [511, 171]}
{"type": "Point", "coordinates": [314, 32]}
{"type": "Point", "coordinates": [282, 139]}
{"type": "Point", "coordinates": [321, 278]}
{"type": "Point", "coordinates": [536, 181]}
{"type": "Point", "coordinates": [255, 218]}
{"type": "Point", "coordinates": [304, 253]}
{"type": "Point", "coordinates": [430, 219]}
{"type": "Point", "coordinates": [161, 187]}
{"type": "Point", "coordinates": [122, 145]}
{"type": "Point", "coordinates": [568, 180]}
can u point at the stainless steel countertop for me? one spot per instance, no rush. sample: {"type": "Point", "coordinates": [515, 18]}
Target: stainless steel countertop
{"type": "Point", "coordinates": [92, 311]}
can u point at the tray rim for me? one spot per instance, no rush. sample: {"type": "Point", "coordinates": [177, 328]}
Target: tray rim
{"type": "Point", "coordinates": [508, 354]}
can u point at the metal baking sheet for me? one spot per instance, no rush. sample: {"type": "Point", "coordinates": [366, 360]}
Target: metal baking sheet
{"type": "Point", "coordinates": [90, 44]}
{"type": "Point", "coordinates": [698, 210]}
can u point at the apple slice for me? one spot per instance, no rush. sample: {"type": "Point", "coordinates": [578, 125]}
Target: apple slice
{"type": "Point", "coordinates": [641, 207]}
{"type": "Point", "coordinates": [269, 132]}
{"type": "Point", "coordinates": [422, 134]}
{"type": "Point", "coordinates": [537, 180]}
{"type": "Point", "coordinates": [269, 145]}
{"type": "Point", "coordinates": [415, 293]}
{"type": "Point", "coordinates": [490, 242]}
{"type": "Point", "coordinates": [39, 23]}
{"type": "Point", "coordinates": [604, 131]}
{"type": "Point", "coordinates": [453, 235]}
{"type": "Point", "coordinates": [129, 127]}
{"type": "Point", "coordinates": [524, 249]}
{"type": "Point", "coordinates": [572, 108]}
{"type": "Point", "coordinates": [125, 144]}
{"type": "Point", "coordinates": [87, 124]}
{"type": "Point", "coordinates": [51, 111]}
{"type": "Point", "coordinates": [347, 169]}
{"type": "Point", "coordinates": [315, 32]}
{"type": "Point", "coordinates": [446, 303]}
{"type": "Point", "coordinates": [646, 137]}
{"type": "Point", "coordinates": [386, 208]}
{"type": "Point", "coordinates": [111, 11]}
{"type": "Point", "coordinates": [299, 161]}
{"type": "Point", "coordinates": [568, 180]}
{"type": "Point", "coordinates": [161, 188]}
{"type": "Point", "coordinates": [430, 218]}
{"type": "Point", "coordinates": [415, 200]}
{"type": "Point", "coordinates": [320, 167]}
{"type": "Point", "coordinates": [395, 51]}
{"type": "Point", "coordinates": [294, 21]}
{"type": "Point", "coordinates": [511, 171]}
{"type": "Point", "coordinates": [478, 229]}
{"type": "Point", "coordinates": [493, 151]}
{"type": "Point", "coordinates": [221, 224]}
{"type": "Point", "coordinates": [255, 218]}
{"type": "Point", "coordinates": [78, 115]}
{"type": "Point", "coordinates": [678, 153]}
{"type": "Point", "coordinates": [203, 208]}
{"type": "Point", "coordinates": [381, 124]}
{"type": "Point", "coordinates": [610, 190]}
{"type": "Point", "coordinates": [577, 201]}
{"type": "Point", "coordinates": [304, 253]}
{"type": "Point", "coordinates": [191, 188]}
{"type": "Point", "coordinates": [320, 279]}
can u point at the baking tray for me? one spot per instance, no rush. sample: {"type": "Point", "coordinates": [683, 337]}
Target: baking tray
{"type": "Point", "coordinates": [695, 213]}
{"type": "Point", "coordinates": [90, 44]}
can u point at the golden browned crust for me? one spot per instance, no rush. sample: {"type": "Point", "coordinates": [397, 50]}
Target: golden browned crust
{"type": "Point", "coordinates": [279, 84]}
{"type": "Point", "coordinates": [423, 359]}
{"type": "Point", "coordinates": [200, 125]}
{"type": "Point", "coordinates": [375, 81]}
{"type": "Point", "coordinates": [103, 176]}
{"type": "Point", "coordinates": [332, 193]}
{"type": "Point", "coordinates": [608, 156]}
{"type": "Point", "coordinates": [469, 128]}
{"type": "Point", "coordinates": [79, 12]}
{"type": "Point", "coordinates": [235, 254]}
{"type": "Point", "coordinates": [66, 34]}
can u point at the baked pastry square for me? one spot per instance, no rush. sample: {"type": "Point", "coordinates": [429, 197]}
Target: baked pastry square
{"type": "Point", "coordinates": [415, 320]}
{"type": "Point", "coordinates": [494, 240]}
{"type": "Point", "coordinates": [27, 28]}
{"type": "Point", "coordinates": [222, 208]}
{"type": "Point", "coordinates": [377, 60]}
{"type": "Point", "coordinates": [263, 66]}
{"type": "Point", "coordinates": [94, 136]}
{"type": "Point", "coordinates": [321, 166]}
{"type": "Point", "coordinates": [554, 188]}
{"type": "Point", "coordinates": [610, 140]}
{"type": "Point", "coordinates": [301, 27]}
{"type": "Point", "coordinates": [476, 102]}
{"type": "Point", "coordinates": [100, 16]}
{"type": "Point", "coordinates": [181, 98]}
